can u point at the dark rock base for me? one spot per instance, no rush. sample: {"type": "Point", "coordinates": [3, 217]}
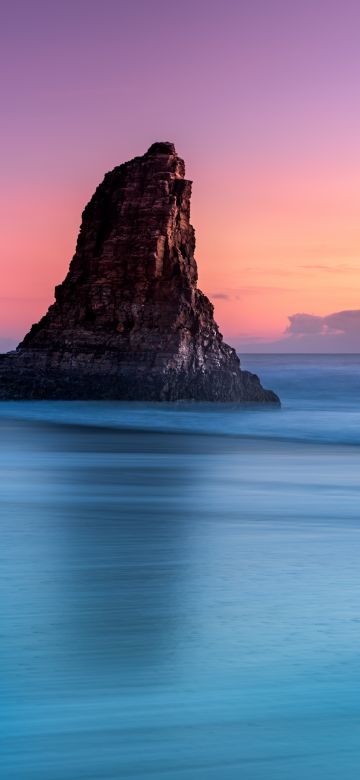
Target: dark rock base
{"type": "Point", "coordinates": [217, 386]}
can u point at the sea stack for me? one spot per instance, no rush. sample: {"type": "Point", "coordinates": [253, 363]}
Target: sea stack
{"type": "Point", "coordinates": [128, 321]}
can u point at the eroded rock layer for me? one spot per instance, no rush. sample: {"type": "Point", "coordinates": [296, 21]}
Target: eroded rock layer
{"type": "Point", "coordinates": [128, 321]}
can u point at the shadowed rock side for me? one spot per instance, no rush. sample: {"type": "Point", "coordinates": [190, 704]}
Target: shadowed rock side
{"type": "Point", "coordinates": [128, 321]}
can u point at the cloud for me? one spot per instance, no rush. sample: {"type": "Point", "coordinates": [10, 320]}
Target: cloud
{"type": "Point", "coordinates": [336, 332]}
{"type": "Point", "coordinates": [304, 323]}
{"type": "Point", "coordinates": [220, 296]}
{"type": "Point", "coordinates": [340, 323]}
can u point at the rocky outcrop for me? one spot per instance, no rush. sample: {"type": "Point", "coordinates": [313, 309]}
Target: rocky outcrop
{"type": "Point", "coordinates": [128, 322]}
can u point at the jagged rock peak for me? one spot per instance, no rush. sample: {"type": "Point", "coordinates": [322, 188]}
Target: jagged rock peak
{"type": "Point", "coordinates": [128, 321]}
{"type": "Point", "coordinates": [162, 147]}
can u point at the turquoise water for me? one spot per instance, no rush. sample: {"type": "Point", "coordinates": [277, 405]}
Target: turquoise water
{"type": "Point", "coordinates": [180, 585]}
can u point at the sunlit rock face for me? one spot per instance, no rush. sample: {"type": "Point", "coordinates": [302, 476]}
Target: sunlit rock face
{"type": "Point", "coordinates": [128, 321]}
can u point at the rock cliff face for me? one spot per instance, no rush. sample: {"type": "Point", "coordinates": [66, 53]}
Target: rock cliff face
{"type": "Point", "coordinates": [128, 321]}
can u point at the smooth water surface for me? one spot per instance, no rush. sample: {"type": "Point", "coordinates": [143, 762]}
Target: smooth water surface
{"type": "Point", "coordinates": [180, 584]}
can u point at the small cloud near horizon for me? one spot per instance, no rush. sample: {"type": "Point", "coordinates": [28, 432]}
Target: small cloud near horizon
{"type": "Point", "coordinates": [336, 332]}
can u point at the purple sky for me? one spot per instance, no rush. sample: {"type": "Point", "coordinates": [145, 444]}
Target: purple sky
{"type": "Point", "coordinates": [262, 100]}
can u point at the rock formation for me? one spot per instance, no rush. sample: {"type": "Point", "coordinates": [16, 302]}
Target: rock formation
{"type": "Point", "coordinates": [128, 322]}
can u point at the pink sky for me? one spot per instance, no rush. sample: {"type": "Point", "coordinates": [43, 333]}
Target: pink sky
{"type": "Point", "coordinates": [260, 98]}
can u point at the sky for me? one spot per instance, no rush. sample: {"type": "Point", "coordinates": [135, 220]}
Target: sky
{"type": "Point", "coordinates": [262, 101]}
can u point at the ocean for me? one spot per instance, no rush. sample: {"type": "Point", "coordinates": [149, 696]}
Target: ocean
{"type": "Point", "coordinates": [180, 584]}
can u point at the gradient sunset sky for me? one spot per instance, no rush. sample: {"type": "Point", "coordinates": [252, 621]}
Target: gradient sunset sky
{"type": "Point", "coordinates": [261, 98]}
